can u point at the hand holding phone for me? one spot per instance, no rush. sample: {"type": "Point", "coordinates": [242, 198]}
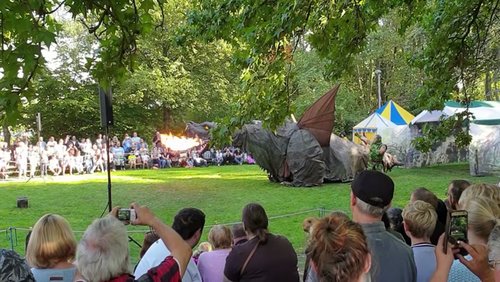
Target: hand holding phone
{"type": "Point", "coordinates": [127, 215]}
{"type": "Point", "coordinates": [456, 230]}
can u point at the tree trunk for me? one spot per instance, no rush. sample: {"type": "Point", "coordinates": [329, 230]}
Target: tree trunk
{"type": "Point", "coordinates": [487, 86]}
{"type": "Point", "coordinates": [6, 134]}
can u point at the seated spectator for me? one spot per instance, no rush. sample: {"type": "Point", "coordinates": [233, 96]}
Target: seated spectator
{"type": "Point", "coordinates": [238, 157]}
{"type": "Point", "coordinates": [239, 235]}
{"type": "Point", "coordinates": [250, 159]}
{"type": "Point", "coordinates": [14, 268]}
{"type": "Point", "coordinates": [211, 264]}
{"type": "Point", "coordinates": [427, 196]}
{"type": "Point", "coordinates": [188, 223]}
{"type": "Point", "coordinates": [51, 249]}
{"type": "Point", "coordinates": [202, 248]}
{"type": "Point", "coordinates": [454, 192]}
{"type": "Point", "coordinates": [103, 253]}
{"type": "Point", "coordinates": [54, 167]}
{"type": "Point", "coordinates": [338, 249]}
{"type": "Point", "coordinates": [483, 213]}
{"type": "Point", "coordinates": [371, 196]}
{"type": "Point", "coordinates": [419, 221]}
{"type": "Point", "coordinates": [209, 156]}
{"type": "Point", "coordinates": [219, 157]}
{"type": "Point", "coordinates": [265, 257]}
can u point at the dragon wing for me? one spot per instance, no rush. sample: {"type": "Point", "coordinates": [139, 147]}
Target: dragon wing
{"type": "Point", "coordinates": [320, 117]}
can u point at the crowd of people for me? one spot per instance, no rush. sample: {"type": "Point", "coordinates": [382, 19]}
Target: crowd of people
{"type": "Point", "coordinates": [377, 244]}
{"type": "Point", "coordinates": [72, 155]}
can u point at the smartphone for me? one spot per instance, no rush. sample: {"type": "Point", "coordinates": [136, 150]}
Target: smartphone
{"type": "Point", "coordinates": [456, 230]}
{"type": "Point", "coordinates": [126, 214]}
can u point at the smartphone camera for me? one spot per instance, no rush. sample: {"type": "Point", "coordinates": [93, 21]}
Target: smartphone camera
{"type": "Point", "coordinates": [126, 215]}
{"type": "Point", "coordinates": [457, 229]}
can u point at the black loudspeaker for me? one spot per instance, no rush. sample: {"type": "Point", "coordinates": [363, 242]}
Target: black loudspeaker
{"type": "Point", "coordinates": [105, 103]}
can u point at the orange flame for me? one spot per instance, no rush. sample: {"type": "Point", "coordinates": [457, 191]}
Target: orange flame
{"type": "Point", "coordinates": [179, 143]}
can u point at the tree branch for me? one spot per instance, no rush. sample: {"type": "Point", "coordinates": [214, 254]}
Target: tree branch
{"type": "Point", "coordinates": [57, 8]}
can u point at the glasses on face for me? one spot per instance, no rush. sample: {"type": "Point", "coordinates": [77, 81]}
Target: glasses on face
{"type": "Point", "coordinates": [494, 264]}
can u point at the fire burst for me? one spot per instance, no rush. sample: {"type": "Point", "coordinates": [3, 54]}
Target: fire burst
{"type": "Point", "coordinates": [179, 143]}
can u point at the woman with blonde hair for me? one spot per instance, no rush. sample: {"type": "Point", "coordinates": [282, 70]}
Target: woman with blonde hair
{"type": "Point", "coordinates": [483, 214]}
{"type": "Point", "coordinates": [338, 250]}
{"type": "Point", "coordinates": [51, 249]}
{"type": "Point", "coordinates": [211, 264]}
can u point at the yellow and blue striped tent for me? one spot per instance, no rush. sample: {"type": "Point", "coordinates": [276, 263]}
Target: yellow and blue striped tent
{"type": "Point", "coordinates": [395, 113]}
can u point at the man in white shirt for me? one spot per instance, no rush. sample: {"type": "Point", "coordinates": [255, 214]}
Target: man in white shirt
{"type": "Point", "coordinates": [189, 223]}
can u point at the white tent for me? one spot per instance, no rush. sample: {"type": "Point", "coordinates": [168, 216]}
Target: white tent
{"type": "Point", "coordinates": [484, 149]}
{"type": "Point", "coordinates": [484, 112]}
{"type": "Point", "coordinates": [396, 137]}
{"type": "Point", "coordinates": [428, 116]}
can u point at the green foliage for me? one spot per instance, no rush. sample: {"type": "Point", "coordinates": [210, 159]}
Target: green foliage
{"type": "Point", "coordinates": [433, 134]}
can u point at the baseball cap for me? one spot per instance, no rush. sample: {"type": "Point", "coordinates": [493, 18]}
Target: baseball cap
{"type": "Point", "coordinates": [13, 267]}
{"type": "Point", "coordinates": [373, 187]}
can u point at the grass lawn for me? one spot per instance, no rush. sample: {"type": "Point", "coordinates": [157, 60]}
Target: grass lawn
{"type": "Point", "coordinates": [220, 192]}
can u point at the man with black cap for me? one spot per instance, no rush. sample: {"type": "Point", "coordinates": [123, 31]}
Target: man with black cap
{"type": "Point", "coordinates": [371, 196]}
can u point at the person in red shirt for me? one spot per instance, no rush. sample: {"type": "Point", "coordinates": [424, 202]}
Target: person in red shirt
{"type": "Point", "coordinates": [103, 254]}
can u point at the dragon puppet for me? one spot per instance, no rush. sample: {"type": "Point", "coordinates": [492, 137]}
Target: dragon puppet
{"type": "Point", "coordinates": [305, 153]}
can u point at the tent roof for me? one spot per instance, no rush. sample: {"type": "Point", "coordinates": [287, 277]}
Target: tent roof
{"type": "Point", "coordinates": [485, 112]}
{"type": "Point", "coordinates": [428, 116]}
{"type": "Point", "coordinates": [395, 113]}
{"type": "Point", "coordinates": [374, 121]}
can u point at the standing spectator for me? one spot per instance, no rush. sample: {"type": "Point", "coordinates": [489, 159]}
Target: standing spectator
{"type": "Point", "coordinates": [44, 163]}
{"type": "Point", "coordinates": [127, 144]}
{"type": "Point", "coordinates": [483, 213]}
{"type": "Point", "coordinates": [99, 141]}
{"type": "Point", "coordinates": [202, 248]}
{"type": "Point", "coordinates": [136, 141]}
{"type": "Point", "coordinates": [427, 196]}
{"type": "Point", "coordinates": [454, 192]}
{"type": "Point", "coordinates": [51, 249]}
{"type": "Point", "coordinates": [22, 159]}
{"type": "Point", "coordinates": [265, 257]}
{"type": "Point", "coordinates": [34, 159]}
{"type": "Point", "coordinates": [51, 145]}
{"type": "Point", "coordinates": [419, 219]}
{"type": "Point", "coordinates": [338, 249]}
{"type": "Point", "coordinates": [211, 264]}
{"type": "Point", "coordinates": [157, 139]}
{"type": "Point", "coordinates": [41, 144]}
{"type": "Point", "coordinates": [239, 235]}
{"type": "Point", "coordinates": [371, 196]}
{"type": "Point", "coordinates": [188, 223]}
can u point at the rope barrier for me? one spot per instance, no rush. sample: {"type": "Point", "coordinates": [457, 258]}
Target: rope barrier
{"type": "Point", "coordinates": [12, 236]}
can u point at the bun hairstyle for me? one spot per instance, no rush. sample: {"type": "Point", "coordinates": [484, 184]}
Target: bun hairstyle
{"type": "Point", "coordinates": [255, 220]}
{"type": "Point", "coordinates": [338, 249]}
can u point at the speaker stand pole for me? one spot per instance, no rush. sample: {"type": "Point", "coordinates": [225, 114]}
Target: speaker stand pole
{"type": "Point", "coordinates": [108, 169]}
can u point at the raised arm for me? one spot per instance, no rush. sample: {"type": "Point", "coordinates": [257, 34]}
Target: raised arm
{"type": "Point", "coordinates": [179, 249]}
